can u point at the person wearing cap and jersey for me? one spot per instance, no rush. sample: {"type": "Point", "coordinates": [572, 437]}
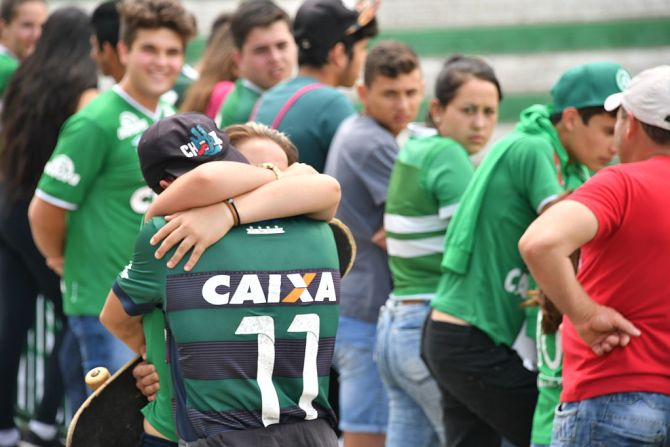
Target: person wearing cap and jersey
{"type": "Point", "coordinates": [332, 44]}
{"type": "Point", "coordinates": [265, 54]}
{"type": "Point", "coordinates": [476, 316]}
{"type": "Point", "coordinates": [260, 293]}
{"type": "Point", "coordinates": [616, 382]}
{"type": "Point", "coordinates": [21, 24]}
{"type": "Point", "coordinates": [90, 199]}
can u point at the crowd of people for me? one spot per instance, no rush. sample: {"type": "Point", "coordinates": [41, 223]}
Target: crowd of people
{"type": "Point", "coordinates": [199, 239]}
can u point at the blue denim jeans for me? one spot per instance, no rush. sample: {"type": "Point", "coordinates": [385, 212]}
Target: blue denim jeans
{"type": "Point", "coordinates": [97, 345]}
{"type": "Point", "coordinates": [613, 420]}
{"type": "Point", "coordinates": [363, 401]}
{"type": "Point", "coordinates": [415, 408]}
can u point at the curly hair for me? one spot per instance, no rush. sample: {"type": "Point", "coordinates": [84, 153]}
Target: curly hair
{"type": "Point", "coordinates": [154, 14]}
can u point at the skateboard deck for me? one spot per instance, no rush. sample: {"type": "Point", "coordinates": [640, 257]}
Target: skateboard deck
{"type": "Point", "coordinates": [111, 416]}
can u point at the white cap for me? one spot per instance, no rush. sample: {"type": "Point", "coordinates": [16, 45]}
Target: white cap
{"type": "Point", "coordinates": [647, 97]}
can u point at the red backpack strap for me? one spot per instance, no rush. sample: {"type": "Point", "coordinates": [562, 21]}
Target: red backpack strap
{"type": "Point", "coordinates": [292, 100]}
{"type": "Point", "coordinates": [219, 94]}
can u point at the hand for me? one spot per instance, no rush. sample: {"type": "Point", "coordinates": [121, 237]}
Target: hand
{"type": "Point", "coordinates": [604, 328]}
{"type": "Point", "coordinates": [197, 228]}
{"type": "Point", "coordinates": [379, 239]}
{"type": "Point", "coordinates": [146, 380]}
{"type": "Point", "coordinates": [56, 264]}
{"type": "Point", "coordinates": [299, 169]}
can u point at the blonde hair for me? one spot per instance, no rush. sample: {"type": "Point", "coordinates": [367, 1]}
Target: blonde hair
{"type": "Point", "coordinates": [240, 132]}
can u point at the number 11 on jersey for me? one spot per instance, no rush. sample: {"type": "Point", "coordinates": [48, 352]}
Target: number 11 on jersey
{"type": "Point", "coordinates": [263, 326]}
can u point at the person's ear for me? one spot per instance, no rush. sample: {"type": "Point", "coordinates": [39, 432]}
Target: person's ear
{"type": "Point", "coordinates": [237, 57]}
{"type": "Point", "coordinates": [123, 51]}
{"type": "Point", "coordinates": [165, 183]}
{"type": "Point", "coordinates": [569, 118]}
{"type": "Point", "coordinates": [362, 91]}
{"type": "Point", "coordinates": [338, 55]}
{"type": "Point", "coordinates": [435, 109]}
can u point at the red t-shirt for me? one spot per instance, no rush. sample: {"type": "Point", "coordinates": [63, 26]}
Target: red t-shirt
{"type": "Point", "coordinates": [627, 267]}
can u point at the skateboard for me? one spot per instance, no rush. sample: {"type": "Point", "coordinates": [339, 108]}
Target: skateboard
{"type": "Point", "coordinates": [111, 416]}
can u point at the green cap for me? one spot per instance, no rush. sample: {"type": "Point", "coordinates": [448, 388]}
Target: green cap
{"type": "Point", "coordinates": [588, 85]}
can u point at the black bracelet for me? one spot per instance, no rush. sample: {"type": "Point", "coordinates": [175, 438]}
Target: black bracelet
{"type": "Point", "coordinates": [231, 203]}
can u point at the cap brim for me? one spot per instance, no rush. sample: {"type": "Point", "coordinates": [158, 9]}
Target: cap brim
{"type": "Point", "coordinates": [613, 101]}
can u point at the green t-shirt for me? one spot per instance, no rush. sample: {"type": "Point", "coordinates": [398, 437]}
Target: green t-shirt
{"type": "Point", "coordinates": [489, 294]}
{"type": "Point", "coordinates": [8, 65]}
{"type": "Point", "coordinates": [252, 327]}
{"type": "Point", "coordinates": [238, 104]}
{"type": "Point", "coordinates": [428, 179]}
{"type": "Point", "coordinates": [312, 120]}
{"type": "Point", "coordinates": [159, 411]}
{"type": "Point", "coordinates": [94, 173]}
{"type": "Point", "coordinates": [549, 383]}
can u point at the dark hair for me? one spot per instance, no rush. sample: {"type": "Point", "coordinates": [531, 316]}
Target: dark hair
{"type": "Point", "coordinates": [9, 7]}
{"type": "Point", "coordinates": [217, 65]}
{"type": "Point", "coordinates": [456, 71]}
{"type": "Point", "coordinates": [389, 58]}
{"type": "Point", "coordinates": [254, 14]}
{"type": "Point", "coordinates": [105, 21]}
{"type": "Point", "coordinates": [317, 57]}
{"type": "Point", "coordinates": [585, 113]}
{"type": "Point", "coordinates": [43, 92]}
{"type": "Point", "coordinates": [154, 14]}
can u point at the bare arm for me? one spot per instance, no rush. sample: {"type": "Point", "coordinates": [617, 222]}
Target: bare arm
{"type": "Point", "coordinates": [317, 196]}
{"type": "Point", "coordinates": [126, 328]}
{"type": "Point", "coordinates": [48, 225]}
{"type": "Point", "coordinates": [546, 247]}
{"type": "Point", "coordinates": [207, 184]}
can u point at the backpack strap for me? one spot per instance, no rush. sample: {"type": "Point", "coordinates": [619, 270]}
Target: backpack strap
{"type": "Point", "coordinates": [292, 100]}
{"type": "Point", "coordinates": [219, 94]}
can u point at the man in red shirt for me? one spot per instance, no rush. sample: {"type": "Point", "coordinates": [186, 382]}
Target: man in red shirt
{"type": "Point", "coordinates": [616, 337]}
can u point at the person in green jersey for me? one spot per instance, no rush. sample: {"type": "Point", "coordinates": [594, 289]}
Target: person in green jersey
{"type": "Point", "coordinates": [21, 24]}
{"type": "Point", "coordinates": [265, 54]}
{"type": "Point", "coordinates": [487, 392]}
{"type": "Point", "coordinates": [427, 181]}
{"type": "Point", "coordinates": [332, 44]}
{"type": "Point", "coordinates": [253, 251]}
{"type": "Point", "coordinates": [89, 203]}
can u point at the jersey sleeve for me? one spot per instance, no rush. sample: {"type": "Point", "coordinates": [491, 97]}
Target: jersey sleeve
{"type": "Point", "coordinates": [140, 285]}
{"type": "Point", "coordinates": [534, 172]}
{"type": "Point", "coordinates": [446, 175]}
{"type": "Point", "coordinates": [605, 195]}
{"type": "Point", "coordinates": [75, 163]}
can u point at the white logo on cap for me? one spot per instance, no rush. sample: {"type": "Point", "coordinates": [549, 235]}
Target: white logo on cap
{"type": "Point", "coordinates": [622, 79]}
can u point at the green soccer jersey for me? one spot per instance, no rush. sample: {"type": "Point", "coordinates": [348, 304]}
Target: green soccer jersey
{"type": "Point", "coordinates": [489, 294]}
{"type": "Point", "coordinates": [549, 383]}
{"type": "Point", "coordinates": [238, 104]}
{"type": "Point", "coordinates": [159, 411]}
{"type": "Point", "coordinates": [252, 327]}
{"type": "Point", "coordinates": [8, 65]}
{"type": "Point", "coordinates": [94, 173]}
{"type": "Point", "coordinates": [428, 179]}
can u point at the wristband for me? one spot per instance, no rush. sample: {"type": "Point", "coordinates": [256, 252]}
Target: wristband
{"type": "Point", "coordinates": [230, 203]}
{"type": "Point", "coordinates": [272, 168]}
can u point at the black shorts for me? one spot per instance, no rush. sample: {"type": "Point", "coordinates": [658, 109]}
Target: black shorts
{"type": "Point", "coordinates": [316, 433]}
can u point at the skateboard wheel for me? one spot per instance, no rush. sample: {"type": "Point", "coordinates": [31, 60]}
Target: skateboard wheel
{"type": "Point", "coordinates": [96, 377]}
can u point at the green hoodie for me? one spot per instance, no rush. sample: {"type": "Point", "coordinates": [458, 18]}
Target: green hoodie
{"type": "Point", "coordinates": [460, 234]}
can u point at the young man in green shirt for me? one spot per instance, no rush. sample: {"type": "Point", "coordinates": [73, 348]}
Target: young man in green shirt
{"type": "Point", "coordinates": [237, 405]}
{"type": "Point", "coordinates": [477, 315]}
{"type": "Point", "coordinates": [21, 23]}
{"type": "Point", "coordinates": [332, 45]}
{"type": "Point", "coordinates": [265, 54]}
{"type": "Point", "coordinates": [89, 203]}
